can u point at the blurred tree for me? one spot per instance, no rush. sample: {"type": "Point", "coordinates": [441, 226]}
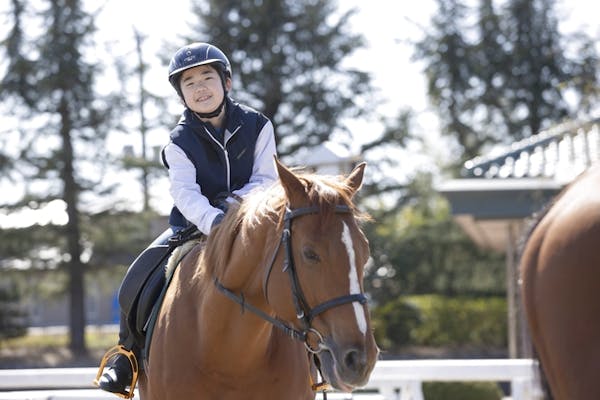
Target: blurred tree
{"type": "Point", "coordinates": [420, 250]}
{"type": "Point", "coordinates": [503, 74]}
{"type": "Point", "coordinates": [13, 317]}
{"type": "Point", "coordinates": [62, 123]}
{"type": "Point", "coordinates": [384, 150]}
{"type": "Point", "coordinates": [287, 58]}
{"type": "Point", "coordinates": [118, 237]}
{"type": "Point", "coordinates": [147, 108]}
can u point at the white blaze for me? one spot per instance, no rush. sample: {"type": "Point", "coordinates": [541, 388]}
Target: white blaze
{"type": "Point", "coordinates": [359, 310]}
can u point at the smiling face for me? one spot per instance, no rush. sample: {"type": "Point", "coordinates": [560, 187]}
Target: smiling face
{"type": "Point", "coordinates": [202, 89]}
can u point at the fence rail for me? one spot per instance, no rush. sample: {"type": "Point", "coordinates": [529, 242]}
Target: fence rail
{"type": "Point", "coordinates": [390, 380]}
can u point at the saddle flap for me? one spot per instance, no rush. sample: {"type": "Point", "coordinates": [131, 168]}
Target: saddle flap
{"type": "Point", "coordinates": [138, 274]}
{"type": "Point", "coordinates": [148, 297]}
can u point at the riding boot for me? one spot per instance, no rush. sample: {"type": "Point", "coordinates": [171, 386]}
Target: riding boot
{"type": "Point", "coordinates": [118, 373]}
{"type": "Point", "coordinates": [117, 376]}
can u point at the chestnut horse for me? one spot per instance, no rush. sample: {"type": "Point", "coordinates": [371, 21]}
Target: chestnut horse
{"type": "Point", "coordinates": [560, 272]}
{"type": "Point", "coordinates": [276, 291]}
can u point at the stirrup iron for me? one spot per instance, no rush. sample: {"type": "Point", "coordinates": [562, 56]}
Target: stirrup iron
{"type": "Point", "coordinates": [113, 351]}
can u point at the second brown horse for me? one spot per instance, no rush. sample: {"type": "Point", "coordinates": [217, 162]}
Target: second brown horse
{"type": "Point", "coordinates": [560, 271]}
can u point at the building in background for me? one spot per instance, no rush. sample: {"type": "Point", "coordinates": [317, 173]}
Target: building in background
{"type": "Point", "coordinates": [330, 158]}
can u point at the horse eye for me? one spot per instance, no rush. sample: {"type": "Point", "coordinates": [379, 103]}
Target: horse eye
{"type": "Point", "coordinates": [310, 255]}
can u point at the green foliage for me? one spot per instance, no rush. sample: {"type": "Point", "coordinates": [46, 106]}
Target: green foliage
{"type": "Point", "coordinates": [118, 237]}
{"type": "Point", "coordinates": [35, 246]}
{"type": "Point", "coordinates": [461, 391]}
{"type": "Point", "coordinates": [461, 321]}
{"type": "Point", "coordinates": [419, 249]}
{"type": "Point", "coordinates": [502, 73]}
{"type": "Point", "coordinates": [395, 323]}
{"type": "Point", "coordinates": [439, 321]}
{"type": "Point", "coordinates": [287, 58]}
{"type": "Point", "coordinates": [13, 317]}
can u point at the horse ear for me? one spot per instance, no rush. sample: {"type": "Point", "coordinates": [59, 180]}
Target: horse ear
{"type": "Point", "coordinates": [354, 180]}
{"type": "Point", "coordinates": [294, 188]}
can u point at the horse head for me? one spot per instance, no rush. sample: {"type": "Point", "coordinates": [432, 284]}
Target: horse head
{"type": "Point", "coordinates": [316, 281]}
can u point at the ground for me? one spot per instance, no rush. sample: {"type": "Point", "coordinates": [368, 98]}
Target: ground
{"type": "Point", "coordinates": [46, 357]}
{"type": "Point", "coordinates": [47, 348]}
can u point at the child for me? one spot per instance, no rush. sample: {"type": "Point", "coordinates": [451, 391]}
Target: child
{"type": "Point", "coordinates": [218, 146]}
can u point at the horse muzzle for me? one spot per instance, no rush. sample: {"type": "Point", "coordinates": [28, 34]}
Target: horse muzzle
{"type": "Point", "coordinates": [347, 367]}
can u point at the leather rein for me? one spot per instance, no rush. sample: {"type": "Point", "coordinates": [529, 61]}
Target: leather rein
{"type": "Point", "coordinates": [304, 313]}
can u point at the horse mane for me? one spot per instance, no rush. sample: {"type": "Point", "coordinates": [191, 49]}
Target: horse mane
{"type": "Point", "coordinates": [268, 205]}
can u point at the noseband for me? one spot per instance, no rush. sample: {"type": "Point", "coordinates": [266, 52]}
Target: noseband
{"type": "Point", "coordinates": [304, 313]}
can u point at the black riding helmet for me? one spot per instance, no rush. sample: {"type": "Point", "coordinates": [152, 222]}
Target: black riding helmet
{"type": "Point", "coordinates": [193, 55]}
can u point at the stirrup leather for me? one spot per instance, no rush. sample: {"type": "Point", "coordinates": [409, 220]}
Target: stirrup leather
{"type": "Point", "coordinates": [113, 351]}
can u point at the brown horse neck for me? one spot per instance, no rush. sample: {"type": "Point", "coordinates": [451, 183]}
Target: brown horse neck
{"type": "Point", "coordinates": [218, 318]}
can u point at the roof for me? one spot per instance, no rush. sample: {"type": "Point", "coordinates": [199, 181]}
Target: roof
{"type": "Point", "coordinates": [559, 153]}
{"type": "Point", "coordinates": [330, 158]}
{"type": "Point", "coordinates": [328, 153]}
{"type": "Point", "coordinates": [500, 190]}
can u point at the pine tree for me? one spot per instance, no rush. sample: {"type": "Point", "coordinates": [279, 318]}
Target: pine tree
{"type": "Point", "coordinates": [505, 76]}
{"type": "Point", "coordinates": [62, 122]}
{"type": "Point", "coordinates": [13, 322]}
{"type": "Point", "coordinates": [287, 62]}
{"type": "Point", "coordinates": [142, 100]}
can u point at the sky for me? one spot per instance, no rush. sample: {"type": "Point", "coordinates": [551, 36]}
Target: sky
{"type": "Point", "coordinates": [389, 26]}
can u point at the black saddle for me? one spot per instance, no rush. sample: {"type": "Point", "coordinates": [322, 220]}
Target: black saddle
{"type": "Point", "coordinates": [144, 281]}
{"type": "Point", "coordinates": [141, 287]}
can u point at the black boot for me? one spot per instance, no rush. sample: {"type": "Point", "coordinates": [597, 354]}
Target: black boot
{"type": "Point", "coordinates": [117, 375]}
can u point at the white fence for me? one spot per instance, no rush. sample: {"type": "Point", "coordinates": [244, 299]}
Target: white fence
{"type": "Point", "coordinates": [390, 380]}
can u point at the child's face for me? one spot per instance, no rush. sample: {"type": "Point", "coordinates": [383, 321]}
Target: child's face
{"type": "Point", "coordinates": [202, 89]}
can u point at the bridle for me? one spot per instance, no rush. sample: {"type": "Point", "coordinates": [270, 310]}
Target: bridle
{"type": "Point", "coordinates": [304, 313]}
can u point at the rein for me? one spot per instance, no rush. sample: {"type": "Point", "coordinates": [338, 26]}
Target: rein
{"type": "Point", "coordinates": [304, 313]}
{"type": "Point", "coordinates": [294, 333]}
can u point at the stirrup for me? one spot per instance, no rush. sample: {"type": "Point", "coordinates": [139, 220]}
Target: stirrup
{"type": "Point", "coordinates": [113, 351]}
{"type": "Point", "coordinates": [317, 386]}
{"type": "Point", "coordinates": [320, 386]}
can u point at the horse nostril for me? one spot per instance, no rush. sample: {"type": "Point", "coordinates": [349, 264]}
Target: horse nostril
{"type": "Point", "coordinates": [354, 360]}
